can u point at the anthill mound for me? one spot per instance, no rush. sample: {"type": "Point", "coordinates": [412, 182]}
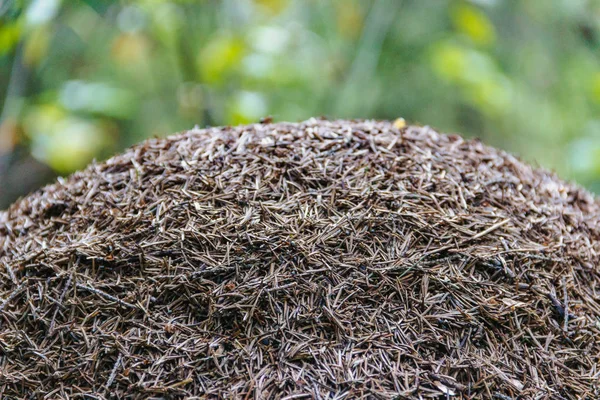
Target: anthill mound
{"type": "Point", "coordinates": [340, 259]}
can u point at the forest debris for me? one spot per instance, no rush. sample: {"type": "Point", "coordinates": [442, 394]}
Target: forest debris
{"type": "Point", "coordinates": [325, 259]}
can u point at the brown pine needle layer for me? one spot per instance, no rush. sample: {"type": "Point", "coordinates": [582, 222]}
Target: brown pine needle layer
{"type": "Point", "coordinates": [340, 259]}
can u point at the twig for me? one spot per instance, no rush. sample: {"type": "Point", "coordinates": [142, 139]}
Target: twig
{"type": "Point", "coordinates": [59, 305]}
{"type": "Point", "coordinates": [11, 273]}
{"type": "Point", "coordinates": [490, 229]}
{"type": "Point", "coordinates": [14, 294]}
{"type": "Point", "coordinates": [566, 302]}
{"type": "Point", "coordinates": [106, 295]}
{"type": "Point", "coordinates": [113, 373]}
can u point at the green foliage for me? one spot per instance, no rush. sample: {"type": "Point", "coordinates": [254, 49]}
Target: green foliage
{"type": "Point", "coordinates": [523, 75]}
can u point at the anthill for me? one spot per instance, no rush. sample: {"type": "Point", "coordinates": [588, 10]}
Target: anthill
{"type": "Point", "coordinates": [340, 259]}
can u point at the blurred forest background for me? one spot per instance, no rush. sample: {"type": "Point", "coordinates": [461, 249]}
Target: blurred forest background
{"type": "Point", "coordinates": [82, 79]}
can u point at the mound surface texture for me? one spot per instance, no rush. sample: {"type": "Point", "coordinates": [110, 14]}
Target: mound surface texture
{"type": "Point", "coordinates": [342, 259]}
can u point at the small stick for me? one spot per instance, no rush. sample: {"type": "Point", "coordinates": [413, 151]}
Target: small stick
{"type": "Point", "coordinates": [566, 296]}
{"type": "Point", "coordinates": [105, 295]}
{"type": "Point", "coordinates": [11, 272]}
{"type": "Point", "coordinates": [560, 309]}
{"type": "Point", "coordinates": [59, 305]}
{"type": "Point", "coordinates": [113, 373]}
{"type": "Point", "coordinates": [490, 229]}
{"type": "Point", "coordinates": [14, 294]}
{"type": "Point", "coordinates": [282, 287]}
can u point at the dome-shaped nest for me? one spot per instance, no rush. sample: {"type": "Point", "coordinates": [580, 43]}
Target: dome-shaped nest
{"type": "Point", "coordinates": [325, 259]}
